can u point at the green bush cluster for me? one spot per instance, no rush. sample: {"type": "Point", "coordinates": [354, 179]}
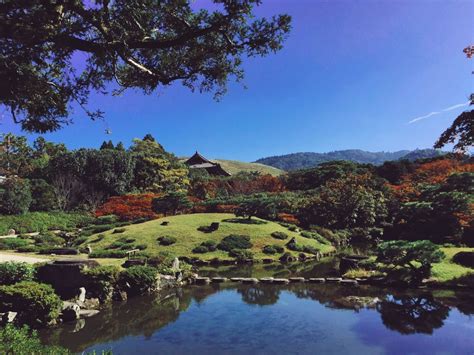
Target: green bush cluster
{"type": "Point", "coordinates": [36, 303]}
{"type": "Point", "coordinates": [279, 235]}
{"type": "Point", "coordinates": [273, 249]}
{"type": "Point", "coordinates": [241, 255]}
{"type": "Point", "coordinates": [235, 241]}
{"type": "Point", "coordinates": [13, 272]}
{"type": "Point", "coordinates": [315, 236]}
{"type": "Point", "coordinates": [138, 280]}
{"type": "Point", "coordinates": [43, 221]}
{"type": "Point", "coordinates": [118, 230]}
{"type": "Point", "coordinates": [99, 281]}
{"type": "Point", "coordinates": [101, 253]}
{"type": "Point", "coordinates": [205, 247]}
{"type": "Point", "coordinates": [22, 340]}
{"type": "Point", "coordinates": [166, 240]}
{"type": "Point", "coordinates": [12, 243]}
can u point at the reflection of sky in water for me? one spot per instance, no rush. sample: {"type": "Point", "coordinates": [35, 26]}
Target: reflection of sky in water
{"type": "Point", "coordinates": [454, 337]}
{"type": "Point", "coordinates": [222, 323]}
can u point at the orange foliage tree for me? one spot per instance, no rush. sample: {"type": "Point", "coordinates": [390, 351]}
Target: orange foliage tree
{"type": "Point", "coordinates": [129, 207]}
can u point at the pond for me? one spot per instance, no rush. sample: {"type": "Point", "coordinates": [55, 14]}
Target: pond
{"type": "Point", "coordinates": [233, 318]}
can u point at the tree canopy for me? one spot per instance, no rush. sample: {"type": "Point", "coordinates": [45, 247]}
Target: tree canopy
{"type": "Point", "coordinates": [54, 53]}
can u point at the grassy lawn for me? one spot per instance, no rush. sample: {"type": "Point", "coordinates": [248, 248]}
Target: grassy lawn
{"type": "Point", "coordinates": [234, 167]}
{"type": "Point", "coordinates": [184, 229]}
{"type": "Point", "coordinates": [448, 270]}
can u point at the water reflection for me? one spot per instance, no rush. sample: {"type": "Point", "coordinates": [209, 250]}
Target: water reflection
{"type": "Point", "coordinates": [404, 313]}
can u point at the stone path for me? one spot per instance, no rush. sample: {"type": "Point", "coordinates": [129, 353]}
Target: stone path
{"type": "Point", "coordinates": [20, 258]}
{"type": "Point", "coordinates": [268, 280]}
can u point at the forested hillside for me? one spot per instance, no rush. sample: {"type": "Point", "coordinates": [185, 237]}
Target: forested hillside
{"type": "Point", "coordinates": [297, 161]}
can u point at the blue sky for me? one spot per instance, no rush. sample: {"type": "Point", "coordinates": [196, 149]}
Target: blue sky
{"type": "Point", "coordinates": [352, 75]}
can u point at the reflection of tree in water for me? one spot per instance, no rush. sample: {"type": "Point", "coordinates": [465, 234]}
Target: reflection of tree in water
{"type": "Point", "coordinates": [138, 316]}
{"type": "Point", "coordinates": [261, 295]}
{"type": "Point", "coordinates": [413, 314]}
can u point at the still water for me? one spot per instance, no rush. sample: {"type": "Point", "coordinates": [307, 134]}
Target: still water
{"type": "Point", "coordinates": [270, 319]}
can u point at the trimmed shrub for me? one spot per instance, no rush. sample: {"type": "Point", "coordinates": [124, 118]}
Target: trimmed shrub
{"type": "Point", "coordinates": [127, 247]}
{"type": "Point", "coordinates": [293, 228]}
{"type": "Point", "coordinates": [108, 254]}
{"type": "Point", "coordinates": [48, 239]}
{"type": "Point", "coordinates": [106, 219]}
{"type": "Point", "coordinates": [138, 280]}
{"type": "Point", "coordinates": [12, 243]}
{"type": "Point", "coordinates": [310, 250]}
{"type": "Point", "coordinates": [279, 235]}
{"type": "Point", "coordinates": [211, 245]}
{"type": "Point", "coordinates": [464, 258]}
{"type": "Point", "coordinates": [235, 241]}
{"type": "Point", "coordinates": [43, 221]}
{"type": "Point", "coordinates": [241, 255]}
{"type": "Point", "coordinates": [59, 251]}
{"type": "Point", "coordinates": [36, 303]}
{"type": "Point", "coordinates": [13, 272]}
{"type": "Point", "coordinates": [273, 249]}
{"type": "Point", "coordinates": [140, 246]}
{"type": "Point", "coordinates": [118, 230]}
{"type": "Point", "coordinates": [116, 245]}
{"type": "Point", "coordinates": [200, 249]}
{"type": "Point", "coordinates": [98, 238]}
{"type": "Point", "coordinates": [28, 249]}
{"type": "Point", "coordinates": [167, 240]}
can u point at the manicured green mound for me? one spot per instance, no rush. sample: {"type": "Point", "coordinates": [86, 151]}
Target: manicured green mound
{"type": "Point", "coordinates": [191, 242]}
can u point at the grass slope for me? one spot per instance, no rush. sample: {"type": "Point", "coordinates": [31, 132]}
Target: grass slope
{"type": "Point", "coordinates": [234, 167]}
{"type": "Point", "coordinates": [184, 229]}
{"type": "Point", "coordinates": [447, 270]}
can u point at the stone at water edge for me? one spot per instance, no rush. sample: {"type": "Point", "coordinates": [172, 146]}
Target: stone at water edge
{"type": "Point", "coordinates": [82, 295]}
{"type": "Point", "coordinates": [317, 280]}
{"type": "Point", "coordinates": [87, 313]}
{"type": "Point", "coordinates": [281, 281]}
{"type": "Point", "coordinates": [8, 317]}
{"type": "Point", "coordinates": [202, 280]}
{"type": "Point", "coordinates": [219, 279]}
{"type": "Point", "coordinates": [296, 279]}
{"type": "Point", "coordinates": [236, 279]}
{"type": "Point", "coordinates": [70, 311]}
{"type": "Point", "coordinates": [333, 279]}
{"type": "Point", "coordinates": [266, 280]}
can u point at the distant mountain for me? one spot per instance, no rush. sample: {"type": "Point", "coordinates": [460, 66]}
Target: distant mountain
{"type": "Point", "coordinates": [297, 161]}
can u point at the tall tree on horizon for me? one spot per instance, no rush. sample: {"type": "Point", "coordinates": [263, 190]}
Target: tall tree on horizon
{"type": "Point", "coordinates": [55, 53]}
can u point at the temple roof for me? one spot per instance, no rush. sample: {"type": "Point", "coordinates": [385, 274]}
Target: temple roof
{"type": "Point", "coordinates": [197, 161]}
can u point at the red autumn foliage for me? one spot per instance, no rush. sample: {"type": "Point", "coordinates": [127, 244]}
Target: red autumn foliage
{"type": "Point", "coordinates": [288, 218]}
{"type": "Point", "coordinates": [129, 207]}
{"type": "Point", "coordinates": [429, 173]}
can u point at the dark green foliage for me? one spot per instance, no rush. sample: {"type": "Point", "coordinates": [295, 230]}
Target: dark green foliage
{"type": "Point", "coordinates": [393, 171]}
{"type": "Point", "coordinates": [98, 238]}
{"type": "Point", "coordinates": [108, 219]}
{"type": "Point", "coordinates": [292, 228]}
{"type": "Point", "coordinates": [244, 221]}
{"type": "Point", "coordinates": [167, 240]}
{"type": "Point", "coordinates": [13, 272]}
{"type": "Point", "coordinates": [203, 48]}
{"type": "Point", "coordinates": [464, 258]}
{"type": "Point", "coordinates": [118, 230]}
{"type": "Point", "coordinates": [273, 249]}
{"type": "Point", "coordinates": [12, 243]}
{"type": "Point", "coordinates": [36, 304]}
{"type": "Point", "coordinates": [15, 196]}
{"type": "Point", "coordinates": [28, 249]}
{"type": "Point", "coordinates": [200, 249]}
{"type": "Point", "coordinates": [406, 254]}
{"type": "Point", "coordinates": [460, 132]}
{"type": "Point", "coordinates": [48, 239]}
{"type": "Point", "coordinates": [205, 247]}
{"type": "Point", "coordinates": [310, 160]}
{"type": "Point", "coordinates": [141, 246]}
{"type": "Point", "coordinates": [209, 229]}
{"type": "Point", "coordinates": [23, 341]}
{"type": "Point", "coordinates": [59, 251]}
{"type": "Point", "coordinates": [43, 221]}
{"type": "Point", "coordinates": [234, 241]}
{"type": "Point", "coordinates": [279, 235]}
{"type": "Point", "coordinates": [108, 254]}
{"type": "Point", "coordinates": [259, 205]}
{"type": "Point", "coordinates": [101, 280]}
{"type": "Point", "coordinates": [171, 203]}
{"type": "Point", "coordinates": [43, 198]}
{"type": "Point", "coordinates": [138, 280]}
{"type": "Point", "coordinates": [241, 255]}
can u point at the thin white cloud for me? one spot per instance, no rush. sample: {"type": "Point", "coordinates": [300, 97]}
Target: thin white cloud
{"type": "Point", "coordinates": [438, 112]}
